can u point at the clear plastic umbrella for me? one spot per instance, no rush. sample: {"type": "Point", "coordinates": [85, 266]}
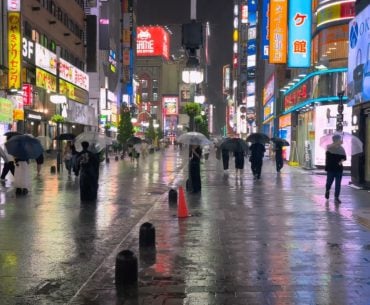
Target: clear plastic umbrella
{"type": "Point", "coordinates": [97, 141]}
{"type": "Point", "coordinates": [193, 138]}
{"type": "Point", "coordinates": [351, 144]}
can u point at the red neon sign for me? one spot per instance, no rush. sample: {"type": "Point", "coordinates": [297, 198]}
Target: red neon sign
{"type": "Point", "coordinates": [153, 41]}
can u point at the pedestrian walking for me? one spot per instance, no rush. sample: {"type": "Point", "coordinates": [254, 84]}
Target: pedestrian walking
{"type": "Point", "coordinates": [239, 161]}
{"type": "Point", "coordinates": [335, 156]}
{"type": "Point", "coordinates": [257, 151]}
{"type": "Point", "coordinates": [22, 180]}
{"type": "Point", "coordinates": [195, 154]}
{"type": "Point", "coordinates": [88, 167]}
{"type": "Point", "coordinates": [225, 158]}
{"type": "Point", "coordinates": [8, 163]}
{"type": "Point", "coordinates": [39, 163]}
{"type": "Point", "coordinates": [205, 152]}
{"type": "Point", "coordinates": [67, 157]}
{"type": "Point", "coordinates": [278, 156]}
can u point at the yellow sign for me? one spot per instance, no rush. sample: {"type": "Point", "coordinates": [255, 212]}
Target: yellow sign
{"type": "Point", "coordinates": [14, 50]}
{"type": "Point", "coordinates": [278, 31]}
{"type": "Point", "coordinates": [18, 115]}
{"type": "Point", "coordinates": [46, 80]}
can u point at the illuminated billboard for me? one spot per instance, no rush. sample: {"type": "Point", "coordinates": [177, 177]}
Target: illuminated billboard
{"type": "Point", "coordinates": [14, 50]}
{"type": "Point", "coordinates": [325, 124]}
{"type": "Point", "coordinates": [335, 11]}
{"type": "Point", "coordinates": [265, 29]}
{"type": "Point", "coordinates": [153, 41]}
{"type": "Point", "coordinates": [299, 45]}
{"type": "Point", "coordinates": [170, 105]}
{"type": "Point", "coordinates": [359, 58]}
{"type": "Point", "coordinates": [278, 31]}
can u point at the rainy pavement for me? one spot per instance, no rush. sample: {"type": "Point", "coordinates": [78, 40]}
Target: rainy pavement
{"type": "Point", "coordinates": [273, 241]}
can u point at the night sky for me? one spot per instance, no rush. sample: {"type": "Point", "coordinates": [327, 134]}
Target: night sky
{"type": "Point", "coordinates": [219, 14]}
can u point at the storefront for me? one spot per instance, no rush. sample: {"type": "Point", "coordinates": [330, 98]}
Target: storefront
{"type": "Point", "coordinates": [302, 101]}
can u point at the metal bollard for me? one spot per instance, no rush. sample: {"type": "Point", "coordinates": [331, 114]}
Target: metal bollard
{"type": "Point", "coordinates": [126, 269]}
{"type": "Point", "coordinates": [147, 235]}
{"type": "Point", "coordinates": [172, 196]}
{"type": "Point", "coordinates": [53, 169]}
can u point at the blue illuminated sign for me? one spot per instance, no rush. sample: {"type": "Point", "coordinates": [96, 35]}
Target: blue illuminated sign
{"type": "Point", "coordinates": [265, 33]}
{"type": "Point", "coordinates": [299, 43]}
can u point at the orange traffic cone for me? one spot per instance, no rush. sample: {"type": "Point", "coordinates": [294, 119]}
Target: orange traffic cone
{"type": "Point", "coordinates": [182, 209]}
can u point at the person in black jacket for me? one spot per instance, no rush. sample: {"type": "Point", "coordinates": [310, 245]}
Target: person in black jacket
{"type": "Point", "coordinates": [257, 151]}
{"type": "Point", "coordinates": [335, 156]}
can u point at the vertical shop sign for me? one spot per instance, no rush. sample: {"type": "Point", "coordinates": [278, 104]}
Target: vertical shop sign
{"type": "Point", "coordinates": [278, 31]}
{"type": "Point", "coordinates": [14, 50]}
{"type": "Point", "coordinates": [299, 45]}
{"type": "Point", "coordinates": [265, 29]}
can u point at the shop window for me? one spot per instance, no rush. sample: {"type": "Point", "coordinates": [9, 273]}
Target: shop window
{"type": "Point", "coordinates": [144, 96]}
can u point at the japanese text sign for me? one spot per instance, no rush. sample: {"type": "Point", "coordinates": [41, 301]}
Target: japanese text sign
{"type": "Point", "coordinates": [278, 31]}
{"type": "Point", "coordinates": [299, 45]}
{"type": "Point", "coordinates": [14, 50]}
{"type": "Point", "coordinates": [153, 41]}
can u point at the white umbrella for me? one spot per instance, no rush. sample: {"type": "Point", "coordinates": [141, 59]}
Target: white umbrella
{"type": "Point", "coordinates": [351, 144]}
{"type": "Point", "coordinates": [193, 138]}
{"type": "Point", "coordinates": [97, 141]}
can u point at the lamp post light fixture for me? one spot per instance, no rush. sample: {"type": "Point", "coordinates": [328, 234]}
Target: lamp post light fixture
{"type": "Point", "coordinates": [192, 75]}
{"type": "Point", "coordinates": [340, 116]}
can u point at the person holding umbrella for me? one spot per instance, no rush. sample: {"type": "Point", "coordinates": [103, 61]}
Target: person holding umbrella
{"type": "Point", "coordinates": [8, 162]}
{"type": "Point", "coordinates": [334, 158]}
{"type": "Point", "coordinates": [239, 154]}
{"type": "Point", "coordinates": [195, 155]}
{"type": "Point", "coordinates": [278, 156]}
{"type": "Point", "coordinates": [257, 151]}
{"type": "Point", "coordinates": [88, 167]}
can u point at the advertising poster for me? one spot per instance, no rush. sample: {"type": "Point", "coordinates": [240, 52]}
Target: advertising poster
{"type": "Point", "coordinates": [153, 41]}
{"type": "Point", "coordinates": [299, 45]}
{"type": "Point", "coordinates": [325, 123]}
{"type": "Point", "coordinates": [359, 58]}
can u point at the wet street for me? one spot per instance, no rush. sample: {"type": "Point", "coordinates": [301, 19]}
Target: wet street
{"type": "Point", "coordinates": [275, 241]}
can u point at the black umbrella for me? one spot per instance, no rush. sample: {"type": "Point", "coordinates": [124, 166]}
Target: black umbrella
{"type": "Point", "coordinates": [10, 134]}
{"type": "Point", "coordinates": [234, 144]}
{"type": "Point", "coordinates": [24, 147]}
{"type": "Point", "coordinates": [65, 136]}
{"type": "Point", "coordinates": [258, 137]}
{"type": "Point", "coordinates": [134, 140]}
{"type": "Point", "coordinates": [280, 141]}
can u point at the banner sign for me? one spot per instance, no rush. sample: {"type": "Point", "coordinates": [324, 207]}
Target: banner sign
{"type": "Point", "coordinates": [299, 47]}
{"type": "Point", "coordinates": [265, 29]}
{"type": "Point", "coordinates": [14, 50]}
{"type": "Point", "coordinates": [6, 111]}
{"type": "Point", "coordinates": [335, 11]}
{"type": "Point", "coordinates": [278, 31]}
{"type": "Point", "coordinates": [46, 80]}
{"type": "Point", "coordinates": [45, 59]}
{"type": "Point", "coordinates": [73, 75]}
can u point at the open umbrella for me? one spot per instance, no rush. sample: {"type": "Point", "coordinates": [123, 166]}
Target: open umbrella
{"type": "Point", "coordinates": [97, 141]}
{"type": "Point", "coordinates": [258, 137]}
{"type": "Point", "coordinates": [24, 147]}
{"type": "Point", "coordinates": [351, 144]}
{"type": "Point", "coordinates": [10, 134]}
{"type": "Point", "coordinates": [134, 140]}
{"type": "Point", "coordinates": [193, 138]}
{"type": "Point", "coordinates": [280, 141]}
{"type": "Point", "coordinates": [65, 136]}
{"type": "Point", "coordinates": [234, 144]}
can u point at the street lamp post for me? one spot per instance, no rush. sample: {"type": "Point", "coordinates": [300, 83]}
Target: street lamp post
{"type": "Point", "coordinates": [340, 112]}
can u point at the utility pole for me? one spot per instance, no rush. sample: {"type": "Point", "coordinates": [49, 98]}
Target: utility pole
{"type": "Point", "coordinates": [340, 112]}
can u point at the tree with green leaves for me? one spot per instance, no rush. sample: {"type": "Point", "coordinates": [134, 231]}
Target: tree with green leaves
{"type": "Point", "coordinates": [192, 110]}
{"type": "Point", "coordinates": [125, 127]}
{"type": "Point", "coordinates": [201, 123]}
{"type": "Point", "coordinates": [150, 132]}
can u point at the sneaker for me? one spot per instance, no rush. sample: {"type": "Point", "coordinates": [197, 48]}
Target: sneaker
{"type": "Point", "coordinates": [337, 200]}
{"type": "Point", "coordinates": [327, 194]}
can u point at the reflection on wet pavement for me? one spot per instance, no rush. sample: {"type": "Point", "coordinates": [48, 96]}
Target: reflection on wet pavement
{"type": "Point", "coordinates": [273, 241]}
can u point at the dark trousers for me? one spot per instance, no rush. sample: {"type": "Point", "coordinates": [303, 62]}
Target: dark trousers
{"type": "Point", "coordinates": [256, 166]}
{"type": "Point", "coordinates": [8, 166]}
{"type": "Point", "coordinates": [330, 177]}
{"type": "Point", "coordinates": [196, 184]}
{"type": "Point", "coordinates": [279, 162]}
{"type": "Point", "coordinates": [225, 161]}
